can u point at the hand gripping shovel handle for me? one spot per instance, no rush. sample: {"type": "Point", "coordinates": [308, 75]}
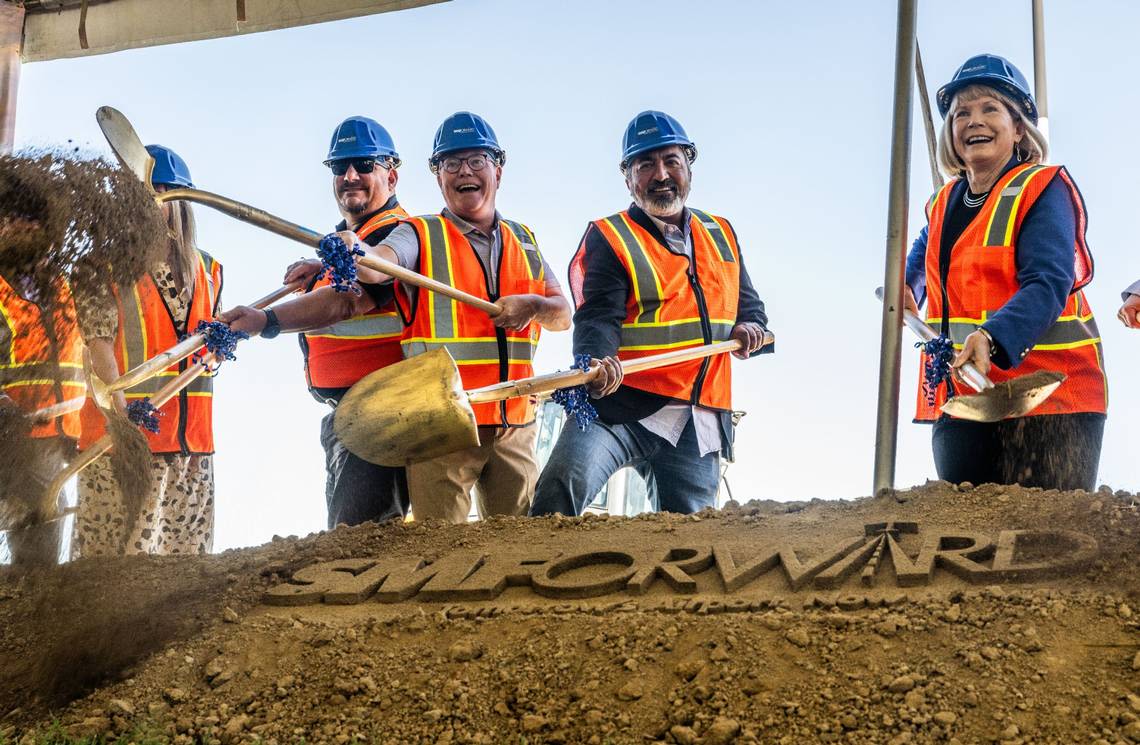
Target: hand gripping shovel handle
{"type": "Point", "coordinates": [972, 375]}
{"type": "Point", "coordinates": [565, 379]}
{"type": "Point", "coordinates": [104, 443]}
{"type": "Point", "coordinates": [185, 348]}
{"type": "Point", "coordinates": [922, 330]}
{"type": "Point", "coordinates": [164, 394]}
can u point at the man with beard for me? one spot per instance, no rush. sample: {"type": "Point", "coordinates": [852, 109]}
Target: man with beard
{"type": "Point", "coordinates": [347, 334]}
{"type": "Point", "coordinates": [656, 277]}
{"type": "Point", "coordinates": [470, 246]}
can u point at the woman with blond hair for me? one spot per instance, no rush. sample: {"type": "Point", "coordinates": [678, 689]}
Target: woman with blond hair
{"type": "Point", "coordinates": [176, 515]}
{"type": "Point", "coordinates": [1000, 266]}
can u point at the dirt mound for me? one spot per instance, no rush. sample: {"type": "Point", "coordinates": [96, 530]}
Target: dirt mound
{"type": "Point", "coordinates": [942, 615]}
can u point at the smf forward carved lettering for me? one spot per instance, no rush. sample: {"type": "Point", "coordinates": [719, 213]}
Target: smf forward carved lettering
{"type": "Point", "coordinates": [1013, 556]}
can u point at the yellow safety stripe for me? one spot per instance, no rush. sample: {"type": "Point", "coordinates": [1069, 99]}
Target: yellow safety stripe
{"type": "Point", "coordinates": [999, 229]}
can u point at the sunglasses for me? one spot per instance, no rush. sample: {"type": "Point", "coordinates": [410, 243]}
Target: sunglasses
{"type": "Point", "coordinates": [360, 165]}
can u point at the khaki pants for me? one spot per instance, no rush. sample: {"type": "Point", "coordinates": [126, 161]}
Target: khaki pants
{"type": "Point", "coordinates": [501, 470]}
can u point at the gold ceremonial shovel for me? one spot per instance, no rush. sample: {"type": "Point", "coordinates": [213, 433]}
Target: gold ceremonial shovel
{"type": "Point", "coordinates": [993, 402]}
{"type": "Point", "coordinates": [417, 409]}
{"type": "Point", "coordinates": [132, 154]}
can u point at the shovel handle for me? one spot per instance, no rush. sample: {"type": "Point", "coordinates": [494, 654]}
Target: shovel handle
{"type": "Point", "coordinates": [186, 347]}
{"type": "Point", "coordinates": [104, 443]}
{"type": "Point", "coordinates": [427, 283]}
{"type": "Point", "coordinates": [971, 374]}
{"type": "Point", "coordinates": [567, 378]}
{"type": "Point", "coordinates": [172, 388]}
{"type": "Point", "coordinates": [47, 413]}
{"type": "Point", "coordinates": [292, 231]}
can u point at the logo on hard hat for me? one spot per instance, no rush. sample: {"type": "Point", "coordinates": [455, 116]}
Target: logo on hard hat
{"type": "Point", "coordinates": [975, 67]}
{"type": "Point", "coordinates": [649, 131]}
{"type": "Point", "coordinates": [346, 139]}
{"type": "Point", "coordinates": [463, 131]}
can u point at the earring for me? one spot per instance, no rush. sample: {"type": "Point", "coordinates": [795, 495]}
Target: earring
{"type": "Point", "coordinates": [1017, 154]}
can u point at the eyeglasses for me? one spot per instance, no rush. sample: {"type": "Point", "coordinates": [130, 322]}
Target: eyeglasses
{"type": "Point", "coordinates": [476, 162]}
{"type": "Point", "coordinates": [360, 165]}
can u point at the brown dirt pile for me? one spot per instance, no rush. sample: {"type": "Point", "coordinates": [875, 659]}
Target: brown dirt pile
{"type": "Point", "coordinates": [83, 219]}
{"type": "Point", "coordinates": [847, 652]}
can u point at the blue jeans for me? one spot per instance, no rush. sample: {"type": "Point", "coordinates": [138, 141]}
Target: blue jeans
{"type": "Point", "coordinates": [581, 463]}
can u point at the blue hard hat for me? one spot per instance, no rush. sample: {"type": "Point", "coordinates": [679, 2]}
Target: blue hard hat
{"type": "Point", "coordinates": [650, 130]}
{"type": "Point", "coordinates": [465, 131]}
{"type": "Point", "coordinates": [169, 168]}
{"type": "Point", "coordinates": [995, 72]}
{"type": "Point", "coordinates": [361, 137]}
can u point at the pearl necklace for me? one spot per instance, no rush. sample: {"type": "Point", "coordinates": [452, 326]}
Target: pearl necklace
{"type": "Point", "coordinates": [977, 201]}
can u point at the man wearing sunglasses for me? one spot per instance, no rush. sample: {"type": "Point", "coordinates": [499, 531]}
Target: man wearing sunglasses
{"type": "Point", "coordinates": [470, 246]}
{"type": "Point", "coordinates": [347, 335]}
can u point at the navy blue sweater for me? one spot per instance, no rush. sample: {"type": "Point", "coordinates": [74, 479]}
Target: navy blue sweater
{"type": "Point", "coordinates": [1045, 273]}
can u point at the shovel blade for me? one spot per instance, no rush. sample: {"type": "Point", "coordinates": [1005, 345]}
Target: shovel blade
{"type": "Point", "coordinates": [125, 143]}
{"type": "Point", "coordinates": [407, 412]}
{"type": "Point", "coordinates": [1011, 398]}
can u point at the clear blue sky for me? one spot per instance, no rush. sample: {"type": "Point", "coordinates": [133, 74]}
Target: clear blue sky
{"type": "Point", "coordinates": [789, 103]}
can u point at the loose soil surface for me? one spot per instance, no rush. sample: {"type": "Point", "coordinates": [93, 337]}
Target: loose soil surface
{"type": "Point", "coordinates": [688, 635]}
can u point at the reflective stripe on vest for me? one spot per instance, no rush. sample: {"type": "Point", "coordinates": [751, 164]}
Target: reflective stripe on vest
{"type": "Point", "coordinates": [41, 360]}
{"type": "Point", "coordinates": [382, 324]}
{"type": "Point", "coordinates": [374, 326]}
{"type": "Point", "coordinates": [484, 354]}
{"type": "Point", "coordinates": [339, 355]}
{"type": "Point", "coordinates": [716, 233]}
{"type": "Point", "coordinates": [677, 302]}
{"type": "Point", "coordinates": [649, 332]}
{"type": "Point", "coordinates": [146, 329]}
{"type": "Point", "coordinates": [474, 351]}
{"type": "Point", "coordinates": [1069, 331]}
{"type": "Point", "coordinates": [982, 279]}
{"type": "Point", "coordinates": [529, 245]}
{"type": "Point", "coordinates": [999, 230]}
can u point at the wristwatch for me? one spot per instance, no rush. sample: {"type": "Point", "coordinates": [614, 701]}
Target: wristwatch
{"type": "Point", "coordinates": [272, 326]}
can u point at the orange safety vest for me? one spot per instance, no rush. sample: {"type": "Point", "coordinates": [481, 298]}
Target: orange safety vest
{"type": "Point", "coordinates": [145, 330]}
{"type": "Point", "coordinates": [672, 307]}
{"type": "Point", "coordinates": [340, 355]}
{"type": "Point", "coordinates": [983, 277]}
{"type": "Point", "coordinates": [41, 358]}
{"type": "Point", "coordinates": [484, 354]}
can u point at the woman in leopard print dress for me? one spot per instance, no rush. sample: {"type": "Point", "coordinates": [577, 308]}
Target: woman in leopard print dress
{"type": "Point", "coordinates": [122, 329]}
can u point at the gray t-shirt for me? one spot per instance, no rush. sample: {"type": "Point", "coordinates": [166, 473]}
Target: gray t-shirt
{"type": "Point", "coordinates": [405, 243]}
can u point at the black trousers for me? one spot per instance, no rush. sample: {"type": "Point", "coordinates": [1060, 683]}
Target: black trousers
{"type": "Point", "coordinates": [1057, 451]}
{"type": "Point", "coordinates": [357, 491]}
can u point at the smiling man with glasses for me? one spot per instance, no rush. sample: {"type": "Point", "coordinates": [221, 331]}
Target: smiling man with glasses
{"type": "Point", "coordinates": [347, 335]}
{"type": "Point", "coordinates": [468, 245]}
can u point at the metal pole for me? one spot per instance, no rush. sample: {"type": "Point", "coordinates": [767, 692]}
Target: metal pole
{"type": "Point", "coordinates": [927, 117]}
{"type": "Point", "coordinates": [890, 354]}
{"type": "Point", "coordinates": [11, 42]}
{"type": "Point", "coordinates": [1039, 91]}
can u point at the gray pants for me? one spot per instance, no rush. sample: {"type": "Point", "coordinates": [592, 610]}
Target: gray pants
{"type": "Point", "coordinates": [357, 491]}
{"type": "Point", "coordinates": [39, 545]}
